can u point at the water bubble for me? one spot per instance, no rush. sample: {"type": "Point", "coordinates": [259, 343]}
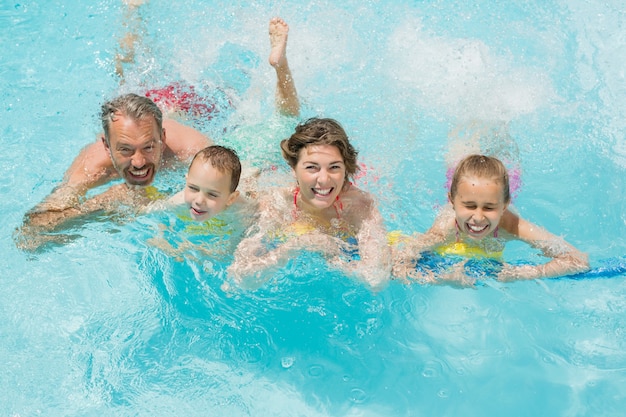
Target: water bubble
{"type": "Point", "coordinates": [287, 361]}
{"type": "Point", "coordinates": [316, 370]}
{"type": "Point", "coordinates": [357, 395]}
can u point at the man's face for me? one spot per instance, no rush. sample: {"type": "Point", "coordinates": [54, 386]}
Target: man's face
{"type": "Point", "coordinates": [136, 148]}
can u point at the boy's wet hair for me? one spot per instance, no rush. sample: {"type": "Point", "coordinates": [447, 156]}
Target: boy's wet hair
{"type": "Point", "coordinates": [481, 166]}
{"type": "Point", "coordinates": [132, 106]}
{"type": "Point", "coordinates": [224, 160]}
{"type": "Point", "coordinates": [318, 131]}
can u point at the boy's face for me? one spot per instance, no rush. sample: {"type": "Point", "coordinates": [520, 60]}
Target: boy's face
{"type": "Point", "coordinates": [479, 206]}
{"type": "Point", "coordinates": [207, 191]}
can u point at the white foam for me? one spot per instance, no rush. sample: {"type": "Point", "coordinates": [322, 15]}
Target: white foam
{"type": "Point", "coordinates": [463, 77]}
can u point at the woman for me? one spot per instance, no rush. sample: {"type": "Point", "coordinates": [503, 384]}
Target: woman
{"type": "Point", "coordinates": [324, 212]}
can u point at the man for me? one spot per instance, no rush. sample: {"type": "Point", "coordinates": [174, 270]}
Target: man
{"type": "Point", "coordinates": [134, 146]}
{"type": "Point", "coordinates": [136, 143]}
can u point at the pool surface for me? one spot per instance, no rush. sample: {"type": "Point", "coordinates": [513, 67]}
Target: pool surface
{"type": "Point", "coordinates": [112, 324]}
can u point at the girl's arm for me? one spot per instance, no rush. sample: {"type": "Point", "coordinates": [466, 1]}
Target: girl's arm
{"type": "Point", "coordinates": [406, 254]}
{"type": "Point", "coordinates": [566, 259]}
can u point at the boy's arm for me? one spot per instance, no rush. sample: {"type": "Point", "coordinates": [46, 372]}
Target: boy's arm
{"type": "Point", "coordinates": [566, 259]}
{"type": "Point", "coordinates": [177, 199]}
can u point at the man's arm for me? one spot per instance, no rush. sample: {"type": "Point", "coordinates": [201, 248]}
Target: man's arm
{"type": "Point", "coordinates": [51, 226]}
{"type": "Point", "coordinates": [91, 168]}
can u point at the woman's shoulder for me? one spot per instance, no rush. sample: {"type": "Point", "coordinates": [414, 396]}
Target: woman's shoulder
{"type": "Point", "coordinates": [356, 195]}
{"type": "Point", "coordinates": [358, 205]}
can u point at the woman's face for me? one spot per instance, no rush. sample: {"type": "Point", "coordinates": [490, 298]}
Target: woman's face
{"type": "Point", "coordinates": [321, 175]}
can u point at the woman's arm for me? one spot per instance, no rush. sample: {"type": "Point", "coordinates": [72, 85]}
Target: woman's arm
{"type": "Point", "coordinates": [255, 257]}
{"type": "Point", "coordinates": [566, 259]}
{"type": "Point", "coordinates": [254, 263]}
{"type": "Point", "coordinates": [375, 263]}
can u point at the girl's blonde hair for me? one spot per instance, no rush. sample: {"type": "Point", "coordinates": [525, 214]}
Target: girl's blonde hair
{"type": "Point", "coordinates": [481, 166]}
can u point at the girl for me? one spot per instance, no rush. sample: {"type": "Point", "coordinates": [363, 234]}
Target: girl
{"type": "Point", "coordinates": [478, 222]}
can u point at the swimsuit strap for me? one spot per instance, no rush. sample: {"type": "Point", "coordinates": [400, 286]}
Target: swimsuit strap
{"type": "Point", "coordinates": [338, 204]}
{"type": "Point", "coordinates": [294, 212]}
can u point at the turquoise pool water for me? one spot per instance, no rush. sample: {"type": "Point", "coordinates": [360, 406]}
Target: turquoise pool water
{"type": "Point", "coordinates": [111, 325]}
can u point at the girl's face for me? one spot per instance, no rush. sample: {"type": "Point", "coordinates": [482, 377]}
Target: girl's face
{"type": "Point", "coordinates": [207, 191]}
{"type": "Point", "coordinates": [321, 174]}
{"type": "Point", "coordinates": [478, 206]}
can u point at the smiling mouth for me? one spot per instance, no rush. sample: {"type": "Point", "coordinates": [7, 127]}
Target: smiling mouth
{"type": "Point", "coordinates": [322, 192]}
{"type": "Point", "coordinates": [139, 174]}
{"type": "Point", "coordinates": [197, 212]}
{"type": "Point", "coordinates": [474, 229]}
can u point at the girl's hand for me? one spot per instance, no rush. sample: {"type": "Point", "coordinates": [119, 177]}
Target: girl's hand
{"type": "Point", "coordinates": [510, 273]}
{"type": "Point", "coordinates": [456, 276]}
{"type": "Point", "coordinates": [404, 262]}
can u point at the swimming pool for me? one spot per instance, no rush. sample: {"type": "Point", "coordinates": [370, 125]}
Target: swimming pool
{"type": "Point", "coordinates": [109, 324]}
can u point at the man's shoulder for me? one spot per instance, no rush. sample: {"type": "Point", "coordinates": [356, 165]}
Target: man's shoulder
{"type": "Point", "coordinates": [91, 167]}
{"type": "Point", "coordinates": [96, 154]}
{"type": "Point", "coordinates": [183, 141]}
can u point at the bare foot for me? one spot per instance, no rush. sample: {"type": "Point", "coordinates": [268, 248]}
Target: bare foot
{"type": "Point", "coordinates": [133, 4]}
{"type": "Point", "coordinates": [286, 95]}
{"type": "Point", "coordinates": [278, 40]}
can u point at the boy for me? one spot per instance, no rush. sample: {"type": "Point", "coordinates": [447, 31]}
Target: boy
{"type": "Point", "coordinates": [211, 183]}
